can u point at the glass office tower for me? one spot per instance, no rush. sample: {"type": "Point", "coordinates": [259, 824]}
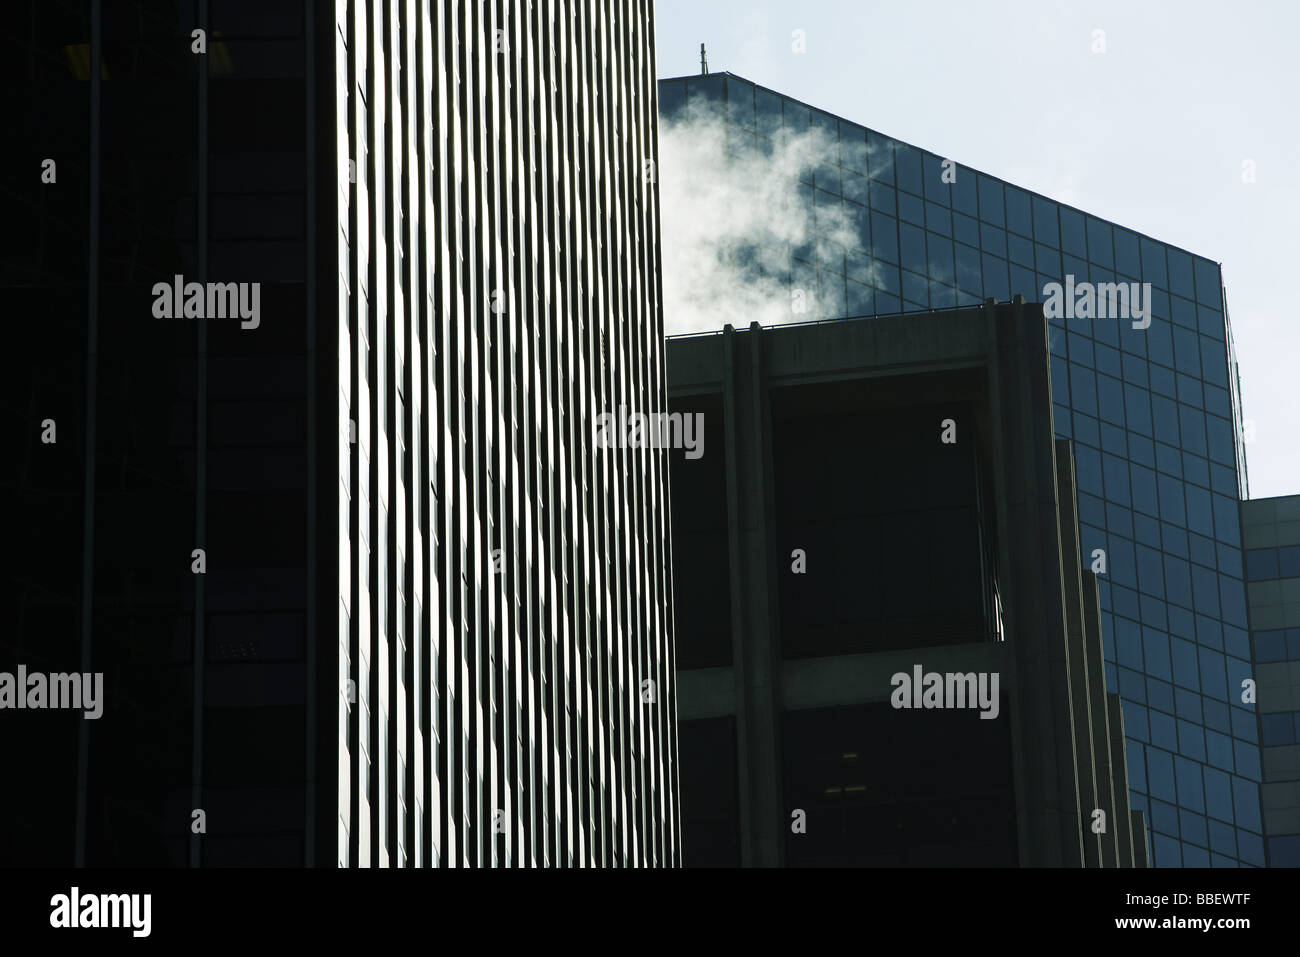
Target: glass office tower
{"type": "Point", "coordinates": [1154, 415]}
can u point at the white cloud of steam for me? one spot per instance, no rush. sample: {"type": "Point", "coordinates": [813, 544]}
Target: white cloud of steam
{"type": "Point", "coordinates": [730, 221]}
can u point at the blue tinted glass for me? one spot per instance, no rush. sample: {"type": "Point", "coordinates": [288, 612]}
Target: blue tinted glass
{"type": "Point", "coordinates": [1137, 408]}
{"type": "Point", "coordinates": [964, 197]}
{"type": "Point", "coordinates": [1216, 714]}
{"type": "Point", "coordinates": [1116, 472]}
{"type": "Point", "coordinates": [1189, 391]}
{"type": "Point", "coordinates": [855, 187]}
{"type": "Point", "coordinates": [1019, 217]}
{"type": "Point", "coordinates": [916, 289]}
{"type": "Point", "coordinates": [990, 191]}
{"type": "Point", "coordinates": [1245, 798]}
{"type": "Point", "coordinates": [1288, 561]}
{"type": "Point", "coordinates": [939, 219]}
{"type": "Point", "coordinates": [1218, 795]}
{"type": "Point", "coordinates": [1083, 388]}
{"type": "Point", "coordinates": [740, 102]}
{"type": "Point", "coordinates": [1208, 287]}
{"type": "Point", "coordinates": [1214, 674]}
{"type": "Point", "coordinates": [965, 229]}
{"type": "Point", "coordinates": [1146, 530]}
{"type": "Point", "coordinates": [1196, 470]}
{"type": "Point", "coordinates": [1270, 645]}
{"type": "Point", "coordinates": [1209, 632]}
{"type": "Point", "coordinates": [1024, 284]}
{"type": "Point", "coordinates": [1045, 225]}
{"type": "Point", "coordinates": [1110, 403]}
{"type": "Point", "coordinates": [1187, 352]}
{"type": "Point", "coordinates": [996, 281]}
{"type": "Point", "coordinates": [1150, 571]}
{"type": "Point", "coordinates": [941, 297]}
{"type": "Point", "coordinates": [1160, 774]}
{"type": "Point", "coordinates": [1194, 831]}
{"type": "Point", "coordinates": [884, 237]}
{"type": "Point", "coordinates": [911, 209]}
{"type": "Point", "coordinates": [1178, 580]}
{"type": "Point", "coordinates": [935, 187]}
{"type": "Point", "coordinates": [1214, 365]}
{"type": "Point", "coordinates": [1211, 325]}
{"type": "Point", "coordinates": [1277, 729]}
{"type": "Point", "coordinates": [1251, 846]}
{"type": "Point", "coordinates": [1164, 818]}
{"type": "Point", "coordinates": [1171, 499]}
{"type": "Point", "coordinates": [884, 198]}
{"type": "Point", "coordinates": [880, 156]}
{"type": "Point", "coordinates": [1137, 772]}
{"type": "Point", "coordinates": [1183, 312]}
{"type": "Point", "coordinates": [1114, 439]}
{"type": "Point", "coordinates": [1100, 249]}
{"type": "Point", "coordinates": [1160, 694]}
{"type": "Point", "coordinates": [859, 299]}
{"type": "Point", "coordinates": [1048, 262]}
{"type": "Point", "coordinates": [993, 240]}
{"type": "Point", "coordinates": [709, 89]}
{"type": "Point", "coordinates": [968, 269]}
{"type": "Point", "coordinates": [1165, 851]}
{"type": "Point", "coordinates": [1153, 263]}
{"type": "Point", "coordinates": [1189, 707]}
{"type": "Point", "coordinates": [853, 138]}
{"type": "Point", "coordinates": [1127, 260]}
{"type": "Point", "coordinates": [1223, 839]}
{"type": "Point", "coordinates": [939, 254]}
{"type": "Point", "coordinates": [1247, 759]}
{"type": "Point", "coordinates": [1233, 593]}
{"type": "Point", "coordinates": [1199, 517]}
{"type": "Point", "coordinates": [1284, 851]}
{"type": "Point", "coordinates": [1132, 685]}
{"type": "Point", "coordinates": [1073, 239]}
{"type": "Point", "coordinates": [912, 248]}
{"type": "Point", "coordinates": [907, 162]}
{"type": "Point", "coordinates": [1220, 439]}
{"type": "Point", "coordinates": [1180, 273]}
{"type": "Point", "coordinates": [1218, 747]}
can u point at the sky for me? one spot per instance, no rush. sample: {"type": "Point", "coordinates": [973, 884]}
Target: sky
{"type": "Point", "coordinates": [1157, 133]}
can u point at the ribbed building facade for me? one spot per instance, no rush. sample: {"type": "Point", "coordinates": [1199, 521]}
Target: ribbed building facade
{"type": "Point", "coordinates": [505, 652]}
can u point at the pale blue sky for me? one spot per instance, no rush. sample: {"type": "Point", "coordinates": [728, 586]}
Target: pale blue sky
{"type": "Point", "coordinates": [1151, 134]}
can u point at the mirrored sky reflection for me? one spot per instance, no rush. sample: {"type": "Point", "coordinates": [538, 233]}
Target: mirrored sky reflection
{"type": "Point", "coordinates": [1153, 133]}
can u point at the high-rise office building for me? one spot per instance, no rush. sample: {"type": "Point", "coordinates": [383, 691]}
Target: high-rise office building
{"type": "Point", "coordinates": [332, 297]}
{"type": "Point", "coordinates": [888, 651]}
{"type": "Point", "coordinates": [1153, 413]}
{"type": "Point", "coordinates": [1271, 538]}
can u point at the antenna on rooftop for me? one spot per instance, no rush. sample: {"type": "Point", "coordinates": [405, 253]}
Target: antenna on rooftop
{"type": "Point", "coordinates": [704, 61]}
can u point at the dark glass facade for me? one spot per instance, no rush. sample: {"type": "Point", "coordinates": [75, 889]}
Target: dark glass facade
{"type": "Point", "coordinates": [1154, 415]}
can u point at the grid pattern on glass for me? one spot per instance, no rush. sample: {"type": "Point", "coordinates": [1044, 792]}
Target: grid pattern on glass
{"type": "Point", "coordinates": [514, 691]}
{"type": "Point", "coordinates": [1153, 413]}
{"type": "Point", "coordinates": [1263, 564]}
